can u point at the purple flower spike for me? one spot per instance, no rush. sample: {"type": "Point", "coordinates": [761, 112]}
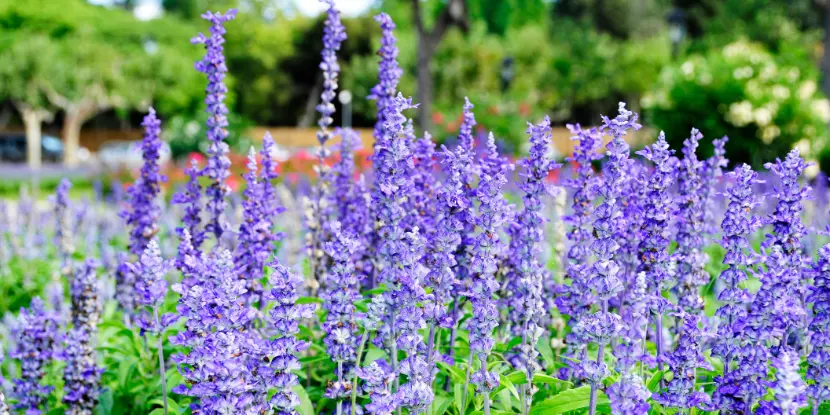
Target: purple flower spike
{"type": "Point", "coordinates": [571, 299]}
{"type": "Point", "coordinates": [82, 375]}
{"type": "Point", "coordinates": [4, 407]}
{"type": "Point", "coordinates": [36, 334]}
{"type": "Point", "coordinates": [526, 272]}
{"type": "Point", "coordinates": [389, 72]}
{"type": "Point", "coordinates": [221, 352]}
{"type": "Point", "coordinates": [144, 210]}
{"type": "Point", "coordinates": [280, 354]}
{"type": "Point", "coordinates": [690, 212]}
{"type": "Point", "coordinates": [683, 363]}
{"type": "Point", "coordinates": [151, 288]}
{"type": "Point", "coordinates": [629, 395]}
{"type": "Point", "coordinates": [713, 171]}
{"type": "Point", "coordinates": [342, 291]}
{"type": "Point", "coordinates": [63, 226]}
{"type": "Point", "coordinates": [377, 382]}
{"type": "Point", "coordinates": [191, 198]}
{"type": "Point", "coordinates": [778, 308]}
{"type": "Point", "coordinates": [334, 33]}
{"type": "Point", "coordinates": [605, 283]}
{"type": "Point", "coordinates": [789, 388]}
{"type": "Point", "coordinates": [486, 249]}
{"type": "Point", "coordinates": [818, 370]}
{"type": "Point", "coordinates": [215, 69]}
{"type": "Point", "coordinates": [86, 301]}
{"type": "Point", "coordinates": [738, 225]}
{"type": "Point", "coordinates": [255, 236]}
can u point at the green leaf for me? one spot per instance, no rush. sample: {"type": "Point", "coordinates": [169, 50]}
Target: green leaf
{"type": "Point", "coordinates": [550, 380]}
{"type": "Point", "coordinates": [456, 374]}
{"type": "Point", "coordinates": [441, 408]}
{"type": "Point", "coordinates": [309, 300]}
{"type": "Point", "coordinates": [654, 383]}
{"type": "Point", "coordinates": [305, 407]}
{"type": "Point", "coordinates": [569, 400]}
{"type": "Point", "coordinates": [504, 380]}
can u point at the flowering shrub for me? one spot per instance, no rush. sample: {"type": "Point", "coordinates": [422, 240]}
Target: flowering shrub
{"type": "Point", "coordinates": [421, 289]}
{"type": "Point", "coordinates": [766, 104]}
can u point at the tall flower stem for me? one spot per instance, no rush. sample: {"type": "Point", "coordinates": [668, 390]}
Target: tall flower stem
{"type": "Point", "coordinates": [357, 364]}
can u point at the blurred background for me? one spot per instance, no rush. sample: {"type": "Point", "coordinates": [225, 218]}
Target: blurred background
{"type": "Point", "coordinates": [76, 76]}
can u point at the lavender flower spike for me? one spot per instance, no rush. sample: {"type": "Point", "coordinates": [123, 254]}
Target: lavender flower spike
{"type": "Point", "coordinates": [279, 356]}
{"type": "Point", "coordinates": [86, 302]}
{"type": "Point", "coordinates": [494, 212]}
{"type": "Point", "coordinates": [342, 291]}
{"type": "Point", "coordinates": [63, 226]}
{"type": "Point", "coordinates": [35, 334]}
{"type": "Point", "coordinates": [219, 362]}
{"type": "Point", "coordinates": [683, 363]}
{"type": "Point", "coordinates": [255, 236]}
{"type": "Point", "coordinates": [527, 311]}
{"type": "Point", "coordinates": [818, 369]}
{"type": "Point", "coordinates": [191, 198]}
{"type": "Point", "coordinates": [82, 375]}
{"type": "Point", "coordinates": [789, 389]}
{"type": "Point", "coordinates": [691, 259]}
{"type": "Point", "coordinates": [334, 33]}
{"type": "Point", "coordinates": [214, 67]}
{"type": "Point", "coordinates": [603, 325]}
{"type": "Point", "coordinates": [739, 224]}
{"type": "Point", "coordinates": [778, 310]}
{"type": "Point", "coordinates": [144, 213]}
{"type": "Point", "coordinates": [389, 72]}
{"type": "Point", "coordinates": [713, 171]}
{"type": "Point", "coordinates": [629, 395]}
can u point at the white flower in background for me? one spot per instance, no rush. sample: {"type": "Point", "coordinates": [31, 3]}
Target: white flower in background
{"type": "Point", "coordinates": [743, 72]}
{"type": "Point", "coordinates": [770, 133]}
{"type": "Point", "coordinates": [821, 107]}
{"type": "Point", "coordinates": [812, 170]}
{"type": "Point", "coordinates": [810, 131]}
{"type": "Point", "coordinates": [793, 74]}
{"type": "Point", "coordinates": [705, 78]}
{"type": "Point", "coordinates": [740, 113]}
{"type": "Point", "coordinates": [768, 72]}
{"type": "Point", "coordinates": [753, 89]}
{"type": "Point", "coordinates": [688, 69]}
{"type": "Point", "coordinates": [763, 116]}
{"type": "Point", "coordinates": [807, 89]}
{"type": "Point", "coordinates": [780, 92]}
{"type": "Point", "coordinates": [803, 146]}
{"type": "Point", "coordinates": [772, 107]}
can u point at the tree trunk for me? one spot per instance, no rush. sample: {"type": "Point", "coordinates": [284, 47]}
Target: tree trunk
{"type": "Point", "coordinates": [71, 137]}
{"type": "Point", "coordinates": [425, 52]}
{"type": "Point", "coordinates": [32, 119]}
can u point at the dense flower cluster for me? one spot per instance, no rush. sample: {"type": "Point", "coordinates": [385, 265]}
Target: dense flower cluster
{"type": "Point", "coordinates": [397, 256]}
{"type": "Point", "coordinates": [215, 69]}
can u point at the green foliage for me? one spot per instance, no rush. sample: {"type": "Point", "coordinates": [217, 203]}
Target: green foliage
{"type": "Point", "coordinates": [765, 104]}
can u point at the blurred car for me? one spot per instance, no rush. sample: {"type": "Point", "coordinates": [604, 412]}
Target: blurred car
{"type": "Point", "coordinates": [13, 148]}
{"type": "Point", "coordinates": [126, 155]}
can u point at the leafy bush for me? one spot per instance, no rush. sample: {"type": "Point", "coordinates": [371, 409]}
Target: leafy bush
{"type": "Point", "coordinates": [766, 104]}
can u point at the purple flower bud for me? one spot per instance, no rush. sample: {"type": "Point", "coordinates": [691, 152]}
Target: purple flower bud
{"type": "Point", "coordinates": [82, 375]}
{"type": "Point", "coordinates": [191, 198]}
{"type": "Point", "coordinates": [144, 211]}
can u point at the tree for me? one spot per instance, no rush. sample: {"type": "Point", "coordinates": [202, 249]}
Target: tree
{"type": "Point", "coordinates": [24, 78]}
{"type": "Point", "coordinates": [90, 77]}
{"type": "Point", "coordinates": [453, 13]}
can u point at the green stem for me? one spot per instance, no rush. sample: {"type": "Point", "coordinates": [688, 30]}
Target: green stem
{"type": "Point", "coordinates": [466, 383]}
{"type": "Point", "coordinates": [357, 366]}
{"type": "Point", "coordinates": [161, 362]}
